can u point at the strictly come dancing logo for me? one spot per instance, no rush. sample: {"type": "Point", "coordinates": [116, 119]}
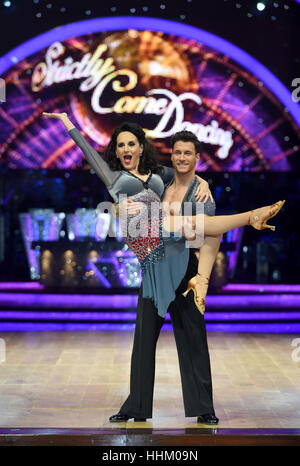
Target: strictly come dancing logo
{"type": "Point", "coordinates": [98, 75]}
{"type": "Point", "coordinates": [159, 79]}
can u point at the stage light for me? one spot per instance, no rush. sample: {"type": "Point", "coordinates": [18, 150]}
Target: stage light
{"type": "Point", "coordinates": [260, 6]}
{"type": "Point", "coordinates": [7, 4]}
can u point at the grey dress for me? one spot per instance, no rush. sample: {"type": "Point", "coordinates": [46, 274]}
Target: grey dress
{"type": "Point", "coordinates": [164, 259]}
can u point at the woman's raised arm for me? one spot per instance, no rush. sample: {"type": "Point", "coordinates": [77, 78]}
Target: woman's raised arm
{"type": "Point", "coordinates": [102, 169]}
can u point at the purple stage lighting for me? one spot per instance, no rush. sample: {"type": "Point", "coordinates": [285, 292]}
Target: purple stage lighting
{"type": "Point", "coordinates": [262, 288]}
{"type": "Point", "coordinates": [21, 286]}
{"type": "Point", "coordinates": [87, 327]}
{"type": "Point", "coordinates": [69, 301]}
{"type": "Point", "coordinates": [125, 316]}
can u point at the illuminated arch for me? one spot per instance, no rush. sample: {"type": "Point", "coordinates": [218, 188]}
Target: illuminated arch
{"type": "Point", "coordinates": [155, 24]}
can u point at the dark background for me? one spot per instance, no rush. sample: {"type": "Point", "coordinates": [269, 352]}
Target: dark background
{"type": "Point", "coordinates": [271, 36]}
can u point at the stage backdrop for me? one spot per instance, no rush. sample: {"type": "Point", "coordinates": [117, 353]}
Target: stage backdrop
{"type": "Point", "coordinates": [163, 75]}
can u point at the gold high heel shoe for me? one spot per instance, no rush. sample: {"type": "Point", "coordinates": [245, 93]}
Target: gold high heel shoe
{"type": "Point", "coordinates": [261, 223]}
{"type": "Point", "coordinates": [192, 286]}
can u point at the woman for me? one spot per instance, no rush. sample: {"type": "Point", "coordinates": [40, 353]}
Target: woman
{"type": "Point", "coordinates": [131, 169]}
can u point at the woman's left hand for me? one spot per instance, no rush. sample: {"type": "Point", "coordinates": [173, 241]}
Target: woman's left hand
{"type": "Point", "coordinates": [203, 192]}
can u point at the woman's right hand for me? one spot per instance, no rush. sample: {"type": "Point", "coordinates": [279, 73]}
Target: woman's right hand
{"type": "Point", "coordinates": [58, 116]}
{"type": "Point", "coordinates": [63, 117]}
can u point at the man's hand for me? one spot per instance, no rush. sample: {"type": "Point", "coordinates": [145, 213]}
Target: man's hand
{"type": "Point", "coordinates": [203, 192]}
{"type": "Point", "coordinates": [128, 207]}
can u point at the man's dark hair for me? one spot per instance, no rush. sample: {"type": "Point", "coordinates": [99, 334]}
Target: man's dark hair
{"type": "Point", "coordinates": [186, 136]}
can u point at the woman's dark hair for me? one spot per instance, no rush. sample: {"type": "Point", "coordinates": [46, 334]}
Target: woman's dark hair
{"type": "Point", "coordinates": [149, 157]}
{"type": "Point", "coordinates": [187, 136]}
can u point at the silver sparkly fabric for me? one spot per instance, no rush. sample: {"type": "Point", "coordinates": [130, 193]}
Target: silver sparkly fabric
{"type": "Point", "coordinates": [143, 232]}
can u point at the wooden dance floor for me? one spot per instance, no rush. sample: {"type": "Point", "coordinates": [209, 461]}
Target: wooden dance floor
{"type": "Point", "coordinates": [67, 384]}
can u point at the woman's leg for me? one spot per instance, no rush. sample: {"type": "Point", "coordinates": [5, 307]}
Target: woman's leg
{"type": "Point", "coordinates": [204, 224]}
{"type": "Point", "coordinates": [219, 224]}
{"type": "Point", "coordinates": [206, 259]}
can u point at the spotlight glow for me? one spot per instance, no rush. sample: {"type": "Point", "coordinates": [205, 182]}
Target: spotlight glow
{"type": "Point", "coordinates": [260, 6]}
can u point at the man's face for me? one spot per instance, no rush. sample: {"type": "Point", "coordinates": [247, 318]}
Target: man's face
{"type": "Point", "coordinates": [184, 157]}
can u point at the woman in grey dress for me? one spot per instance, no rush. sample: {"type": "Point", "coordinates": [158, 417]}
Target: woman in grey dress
{"type": "Point", "coordinates": [131, 169]}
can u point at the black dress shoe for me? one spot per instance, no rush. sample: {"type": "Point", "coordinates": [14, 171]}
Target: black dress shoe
{"type": "Point", "coordinates": [208, 418]}
{"type": "Point", "coordinates": [123, 418]}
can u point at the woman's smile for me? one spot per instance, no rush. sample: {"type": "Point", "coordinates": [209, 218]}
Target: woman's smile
{"type": "Point", "coordinates": [127, 158]}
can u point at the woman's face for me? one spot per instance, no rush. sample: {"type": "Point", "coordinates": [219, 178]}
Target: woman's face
{"type": "Point", "coordinates": [129, 150]}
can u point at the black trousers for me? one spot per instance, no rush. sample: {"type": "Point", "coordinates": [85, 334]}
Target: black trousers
{"type": "Point", "coordinates": [191, 342]}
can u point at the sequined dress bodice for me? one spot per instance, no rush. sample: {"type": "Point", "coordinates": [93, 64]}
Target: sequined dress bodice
{"type": "Point", "coordinates": [142, 232]}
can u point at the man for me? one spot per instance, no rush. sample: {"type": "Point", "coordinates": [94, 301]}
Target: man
{"type": "Point", "coordinates": [188, 323]}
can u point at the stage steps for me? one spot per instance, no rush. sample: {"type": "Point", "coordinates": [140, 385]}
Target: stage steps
{"type": "Point", "coordinates": [116, 438]}
{"type": "Point", "coordinates": [237, 307]}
